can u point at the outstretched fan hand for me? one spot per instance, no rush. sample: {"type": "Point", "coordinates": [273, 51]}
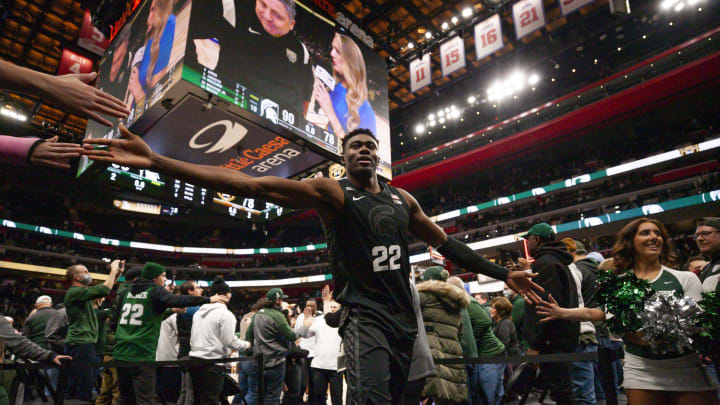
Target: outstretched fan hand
{"type": "Point", "coordinates": [129, 150]}
{"type": "Point", "coordinates": [521, 282]}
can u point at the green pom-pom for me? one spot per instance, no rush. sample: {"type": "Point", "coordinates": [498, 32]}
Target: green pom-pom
{"type": "Point", "coordinates": [623, 296]}
{"type": "Point", "coordinates": [709, 322]}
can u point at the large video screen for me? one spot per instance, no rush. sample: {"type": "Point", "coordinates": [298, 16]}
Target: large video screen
{"type": "Point", "coordinates": [143, 62]}
{"type": "Point", "coordinates": [292, 66]}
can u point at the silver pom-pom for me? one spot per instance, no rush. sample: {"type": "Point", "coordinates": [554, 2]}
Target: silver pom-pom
{"type": "Point", "coordinates": [668, 323]}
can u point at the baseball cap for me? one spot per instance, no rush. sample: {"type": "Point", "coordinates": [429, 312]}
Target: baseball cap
{"type": "Point", "coordinates": [542, 230]}
{"type": "Point", "coordinates": [275, 293]}
{"type": "Point", "coordinates": [580, 248]}
{"type": "Point", "coordinates": [43, 299]}
{"type": "Point", "coordinates": [713, 222]}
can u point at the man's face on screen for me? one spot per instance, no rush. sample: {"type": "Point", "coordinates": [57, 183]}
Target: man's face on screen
{"type": "Point", "coordinates": [118, 59]}
{"type": "Point", "coordinates": [274, 17]}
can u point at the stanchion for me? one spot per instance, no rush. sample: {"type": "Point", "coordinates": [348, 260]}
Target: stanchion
{"type": "Point", "coordinates": [260, 378]}
{"type": "Point", "coordinates": [61, 382]}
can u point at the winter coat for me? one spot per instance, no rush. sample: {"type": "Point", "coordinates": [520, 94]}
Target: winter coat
{"type": "Point", "coordinates": [441, 305]}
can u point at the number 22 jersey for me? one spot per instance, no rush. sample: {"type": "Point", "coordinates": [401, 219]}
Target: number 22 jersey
{"type": "Point", "coordinates": [367, 244]}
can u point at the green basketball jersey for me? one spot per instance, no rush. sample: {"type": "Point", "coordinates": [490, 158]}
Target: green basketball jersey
{"type": "Point", "coordinates": [138, 328]}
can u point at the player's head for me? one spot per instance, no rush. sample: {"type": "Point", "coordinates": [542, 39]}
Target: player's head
{"type": "Point", "coordinates": [220, 287]}
{"type": "Point", "coordinates": [349, 68]}
{"type": "Point", "coordinates": [360, 148]}
{"type": "Point", "coordinates": [276, 16]}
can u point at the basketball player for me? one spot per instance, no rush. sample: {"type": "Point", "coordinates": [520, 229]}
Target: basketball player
{"type": "Point", "coordinates": [366, 223]}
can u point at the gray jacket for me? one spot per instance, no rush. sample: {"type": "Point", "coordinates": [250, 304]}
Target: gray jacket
{"type": "Point", "coordinates": [56, 330]}
{"type": "Point", "coordinates": [21, 346]}
{"type": "Point", "coordinates": [271, 335]}
{"type": "Point", "coordinates": [422, 364]}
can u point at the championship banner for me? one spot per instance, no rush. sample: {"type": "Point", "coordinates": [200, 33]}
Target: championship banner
{"type": "Point", "coordinates": [70, 62]}
{"type": "Point", "coordinates": [488, 37]}
{"type": "Point", "coordinates": [420, 73]}
{"type": "Point", "coordinates": [91, 38]}
{"type": "Point", "coordinates": [452, 55]}
{"type": "Point", "coordinates": [528, 16]}
{"type": "Point", "coordinates": [568, 6]}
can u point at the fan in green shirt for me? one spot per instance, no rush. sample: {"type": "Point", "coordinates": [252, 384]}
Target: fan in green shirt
{"type": "Point", "coordinates": [83, 327]}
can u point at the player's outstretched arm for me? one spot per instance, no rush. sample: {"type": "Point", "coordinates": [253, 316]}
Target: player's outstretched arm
{"type": "Point", "coordinates": [131, 150]}
{"type": "Point", "coordinates": [460, 254]}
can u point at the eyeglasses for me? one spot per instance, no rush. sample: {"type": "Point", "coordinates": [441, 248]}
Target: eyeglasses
{"type": "Point", "coordinates": [704, 234]}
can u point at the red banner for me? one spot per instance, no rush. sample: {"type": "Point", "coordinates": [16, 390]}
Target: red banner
{"type": "Point", "coordinates": [70, 62]}
{"type": "Point", "coordinates": [90, 37]}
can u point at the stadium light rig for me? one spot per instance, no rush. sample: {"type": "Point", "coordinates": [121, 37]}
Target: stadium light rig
{"type": "Point", "coordinates": [7, 112]}
{"type": "Point", "coordinates": [511, 86]}
{"type": "Point", "coordinates": [678, 5]}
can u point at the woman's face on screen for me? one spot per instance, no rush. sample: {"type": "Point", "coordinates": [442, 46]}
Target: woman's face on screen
{"type": "Point", "coordinates": [336, 54]}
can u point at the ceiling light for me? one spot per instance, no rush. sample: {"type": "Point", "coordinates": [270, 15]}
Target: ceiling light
{"type": "Point", "coordinates": [454, 20]}
{"type": "Point", "coordinates": [431, 123]}
{"type": "Point", "coordinates": [447, 110]}
{"type": "Point", "coordinates": [428, 35]}
{"type": "Point", "coordinates": [595, 61]}
{"type": "Point", "coordinates": [442, 120]}
{"type": "Point", "coordinates": [665, 5]}
{"type": "Point", "coordinates": [553, 79]}
{"type": "Point", "coordinates": [410, 45]}
{"type": "Point", "coordinates": [440, 113]}
{"type": "Point", "coordinates": [644, 36]}
{"type": "Point", "coordinates": [620, 49]}
{"type": "Point", "coordinates": [573, 70]}
{"type": "Point", "coordinates": [679, 6]}
{"type": "Point", "coordinates": [533, 79]}
{"type": "Point", "coordinates": [467, 12]}
{"type": "Point", "coordinates": [431, 116]}
{"type": "Point", "coordinates": [420, 128]}
{"type": "Point", "coordinates": [445, 26]}
{"type": "Point", "coordinates": [452, 107]}
{"type": "Point", "coordinates": [471, 99]}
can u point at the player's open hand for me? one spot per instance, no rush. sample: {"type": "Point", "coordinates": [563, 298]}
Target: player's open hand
{"type": "Point", "coordinates": [129, 150]}
{"type": "Point", "coordinates": [73, 93]}
{"type": "Point", "coordinates": [52, 153]}
{"type": "Point", "coordinates": [521, 282]}
{"type": "Point", "coordinates": [549, 310]}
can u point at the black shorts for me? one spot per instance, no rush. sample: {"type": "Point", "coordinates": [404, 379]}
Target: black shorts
{"type": "Point", "coordinates": [377, 358]}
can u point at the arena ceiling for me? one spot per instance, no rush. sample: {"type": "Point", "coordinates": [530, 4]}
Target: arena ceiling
{"type": "Point", "coordinates": [33, 33]}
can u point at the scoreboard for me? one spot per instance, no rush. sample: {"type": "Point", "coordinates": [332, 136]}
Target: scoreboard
{"type": "Point", "coordinates": [152, 184]}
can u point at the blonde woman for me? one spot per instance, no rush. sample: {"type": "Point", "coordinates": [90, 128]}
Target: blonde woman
{"type": "Point", "coordinates": [159, 34]}
{"type": "Point", "coordinates": [346, 106]}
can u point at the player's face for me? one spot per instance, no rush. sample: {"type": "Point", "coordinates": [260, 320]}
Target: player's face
{"type": "Point", "coordinates": [361, 156]}
{"type": "Point", "coordinates": [648, 241]}
{"type": "Point", "coordinates": [274, 17]}
{"type": "Point", "coordinates": [337, 59]}
{"type": "Point", "coordinates": [118, 59]}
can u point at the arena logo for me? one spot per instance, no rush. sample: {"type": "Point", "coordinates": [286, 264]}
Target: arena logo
{"type": "Point", "coordinates": [232, 134]}
{"type": "Point", "coordinates": [251, 157]}
{"type": "Point", "coordinates": [652, 209]}
{"type": "Point", "coordinates": [354, 29]}
{"type": "Point", "coordinates": [276, 160]}
{"type": "Point", "coordinates": [577, 180]}
{"type": "Point", "coordinates": [592, 221]}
